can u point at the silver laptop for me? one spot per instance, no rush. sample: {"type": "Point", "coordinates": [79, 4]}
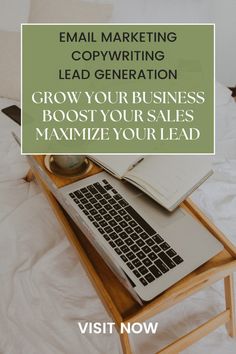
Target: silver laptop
{"type": "Point", "coordinates": [147, 247]}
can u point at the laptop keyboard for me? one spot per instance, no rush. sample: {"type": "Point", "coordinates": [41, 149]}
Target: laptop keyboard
{"type": "Point", "coordinates": [140, 247]}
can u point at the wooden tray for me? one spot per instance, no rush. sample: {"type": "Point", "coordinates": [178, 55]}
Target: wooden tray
{"type": "Point", "coordinates": [117, 300]}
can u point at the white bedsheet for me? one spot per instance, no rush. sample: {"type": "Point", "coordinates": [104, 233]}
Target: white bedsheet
{"type": "Point", "coordinates": [44, 290]}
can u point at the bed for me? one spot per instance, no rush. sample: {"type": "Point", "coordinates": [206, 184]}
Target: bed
{"type": "Point", "coordinates": [44, 289]}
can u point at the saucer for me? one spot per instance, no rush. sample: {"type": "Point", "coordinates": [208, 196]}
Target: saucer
{"type": "Point", "coordinates": [80, 171]}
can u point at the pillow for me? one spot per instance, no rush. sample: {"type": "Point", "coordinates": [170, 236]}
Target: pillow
{"type": "Point", "coordinates": [180, 11]}
{"type": "Point", "coordinates": [162, 11]}
{"type": "Point", "coordinates": [68, 11]}
{"type": "Point", "coordinates": [13, 13]}
{"type": "Point", "coordinates": [10, 65]}
{"type": "Point", "coordinates": [131, 11]}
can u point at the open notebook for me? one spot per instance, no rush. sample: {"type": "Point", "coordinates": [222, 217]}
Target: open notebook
{"type": "Point", "coordinates": [168, 179]}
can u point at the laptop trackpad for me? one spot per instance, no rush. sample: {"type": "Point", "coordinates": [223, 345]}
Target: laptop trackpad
{"type": "Point", "coordinates": [157, 213]}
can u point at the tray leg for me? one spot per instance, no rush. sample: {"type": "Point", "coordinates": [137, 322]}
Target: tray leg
{"type": "Point", "coordinates": [230, 304]}
{"type": "Point", "coordinates": [124, 338]}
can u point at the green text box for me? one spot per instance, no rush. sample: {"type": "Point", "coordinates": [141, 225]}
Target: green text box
{"type": "Point", "coordinates": [136, 113]}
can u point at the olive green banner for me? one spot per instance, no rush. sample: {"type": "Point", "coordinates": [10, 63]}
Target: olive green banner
{"type": "Point", "coordinates": [142, 88]}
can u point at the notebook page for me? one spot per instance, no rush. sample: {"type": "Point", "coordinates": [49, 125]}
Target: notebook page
{"type": "Point", "coordinates": [116, 164]}
{"type": "Point", "coordinates": [172, 176]}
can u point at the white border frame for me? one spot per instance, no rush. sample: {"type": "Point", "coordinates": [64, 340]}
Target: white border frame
{"type": "Point", "coordinates": [120, 24]}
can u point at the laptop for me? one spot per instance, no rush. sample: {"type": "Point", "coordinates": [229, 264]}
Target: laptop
{"type": "Point", "coordinates": [147, 247]}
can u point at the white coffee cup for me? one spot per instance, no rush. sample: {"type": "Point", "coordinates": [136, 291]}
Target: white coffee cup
{"type": "Point", "coordinates": [68, 162]}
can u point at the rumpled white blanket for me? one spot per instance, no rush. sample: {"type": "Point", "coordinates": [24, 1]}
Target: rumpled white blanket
{"type": "Point", "coordinates": [44, 290]}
